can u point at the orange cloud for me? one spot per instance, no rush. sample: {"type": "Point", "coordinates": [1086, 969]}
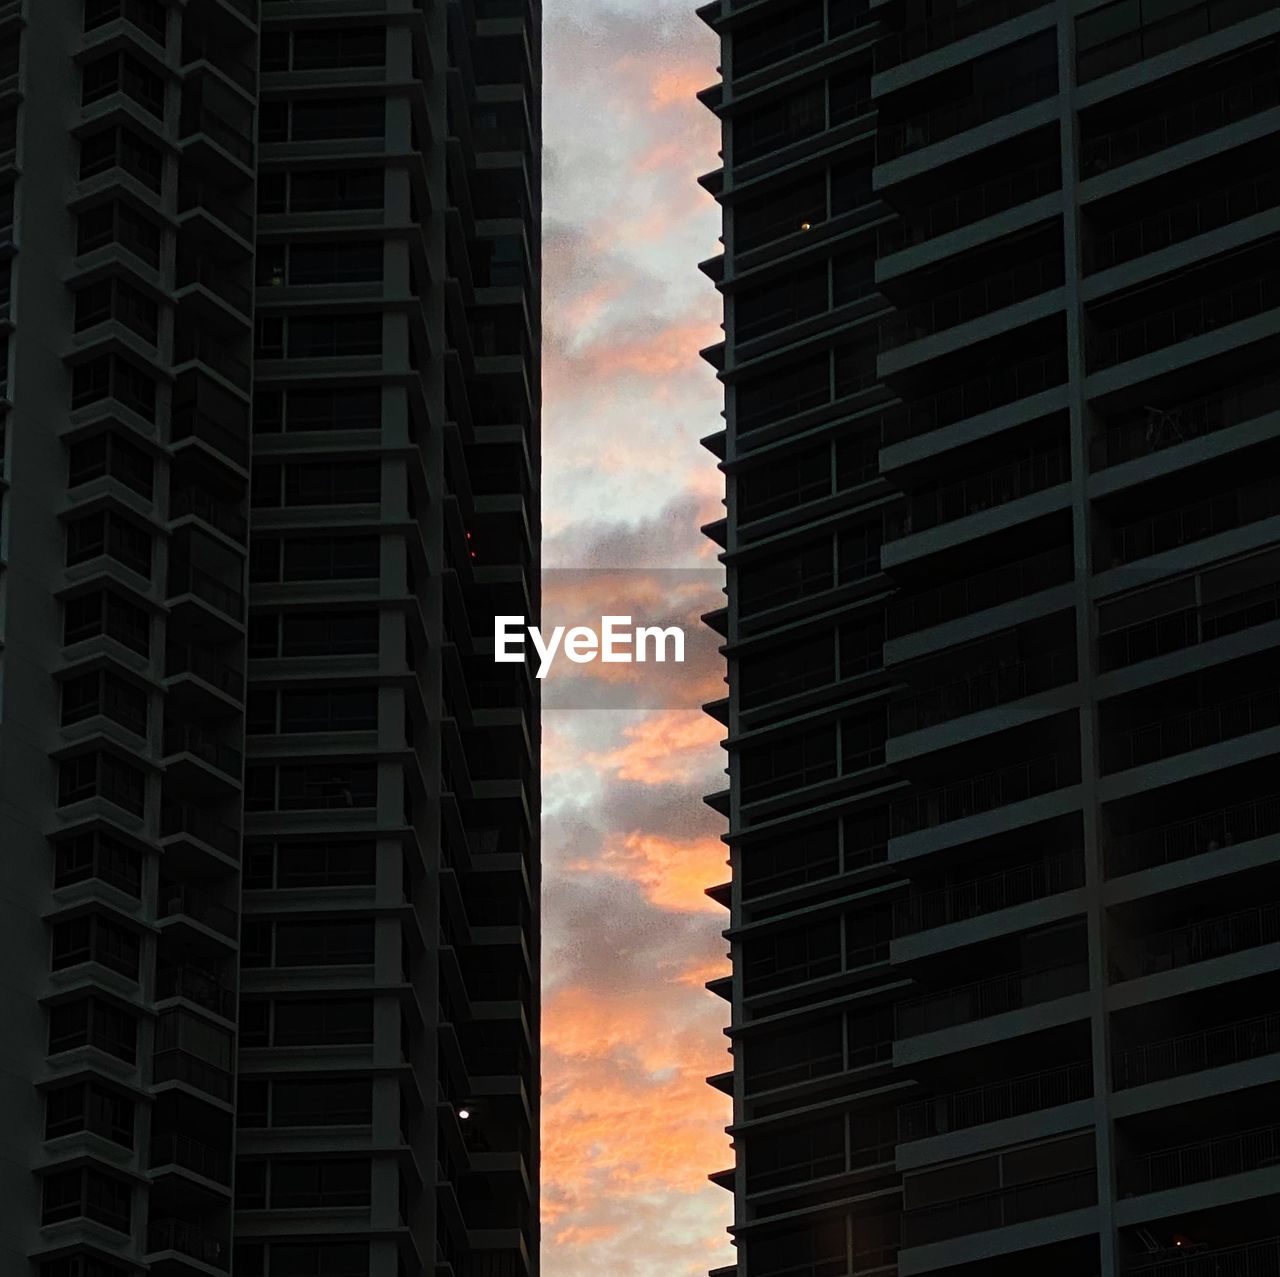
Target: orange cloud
{"type": "Point", "coordinates": [673, 873]}
{"type": "Point", "coordinates": [671, 745]}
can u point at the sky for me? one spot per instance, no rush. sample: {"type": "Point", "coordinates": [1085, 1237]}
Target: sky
{"type": "Point", "coordinates": [630, 1128]}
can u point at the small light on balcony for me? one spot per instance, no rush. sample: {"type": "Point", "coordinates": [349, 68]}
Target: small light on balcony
{"type": "Point", "coordinates": [464, 1114]}
{"type": "Point", "coordinates": [806, 226]}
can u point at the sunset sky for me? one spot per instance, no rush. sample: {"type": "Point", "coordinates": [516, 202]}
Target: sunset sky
{"type": "Point", "coordinates": [630, 1129]}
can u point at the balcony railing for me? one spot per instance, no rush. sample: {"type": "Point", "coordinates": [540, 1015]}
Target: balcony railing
{"type": "Point", "coordinates": [187, 658]}
{"type": "Point", "coordinates": [1183, 222]}
{"type": "Point", "coordinates": [1194, 730]}
{"type": "Point", "coordinates": [216, 277]}
{"type": "Point", "coordinates": [213, 354]}
{"type": "Point", "coordinates": [1195, 1052]}
{"type": "Point", "coordinates": [186, 819]}
{"type": "Point", "coordinates": [1016, 1205]}
{"type": "Point", "coordinates": [958, 117]}
{"type": "Point", "coordinates": [1195, 1163]}
{"type": "Point", "coordinates": [189, 739]}
{"type": "Point", "coordinates": [1154, 429]}
{"type": "Point", "coordinates": [188, 579]}
{"type": "Point", "coordinates": [985, 998]}
{"type": "Point", "coordinates": [989, 894]}
{"type": "Point", "coordinates": [983, 590]}
{"type": "Point", "coordinates": [995, 685]}
{"type": "Point", "coordinates": [187, 1239]}
{"type": "Point", "coordinates": [175, 1065]}
{"type": "Point", "coordinates": [994, 292]}
{"type": "Point", "coordinates": [192, 1155]}
{"type": "Point", "coordinates": [181, 898]}
{"type": "Point", "coordinates": [190, 422]}
{"type": "Point", "coordinates": [212, 200]}
{"type": "Point", "coordinates": [1165, 844]}
{"type": "Point", "coordinates": [995, 1102]}
{"type": "Point", "coordinates": [946, 28]}
{"type": "Point", "coordinates": [1253, 1259]}
{"type": "Point", "coordinates": [1205, 518]}
{"type": "Point", "coordinates": [986, 491]}
{"type": "Point", "coordinates": [1245, 300]}
{"type": "Point", "coordinates": [200, 987]}
{"type": "Point", "coordinates": [233, 139]}
{"type": "Point", "coordinates": [993, 790]}
{"type": "Point", "coordinates": [1005, 385]}
{"type": "Point", "coordinates": [204, 505]}
{"type": "Point", "coordinates": [1180, 123]}
{"type": "Point", "coordinates": [1198, 942]}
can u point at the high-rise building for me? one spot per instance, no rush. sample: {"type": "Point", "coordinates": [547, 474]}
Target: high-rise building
{"type": "Point", "coordinates": [269, 866]}
{"type": "Point", "coordinates": [1002, 317]}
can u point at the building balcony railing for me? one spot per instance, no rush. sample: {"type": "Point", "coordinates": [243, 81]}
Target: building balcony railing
{"type": "Point", "coordinates": [1198, 942]}
{"type": "Point", "coordinates": [200, 987]}
{"type": "Point", "coordinates": [1245, 300]}
{"type": "Point", "coordinates": [204, 505]}
{"type": "Point", "coordinates": [199, 347]}
{"type": "Point", "coordinates": [1195, 1052]}
{"type": "Point", "coordinates": [969, 206]}
{"type": "Point", "coordinates": [1253, 1259]}
{"type": "Point", "coordinates": [993, 488]}
{"type": "Point", "coordinates": [1195, 1163]}
{"type": "Point", "coordinates": [992, 293]}
{"type": "Point", "coordinates": [245, 74]}
{"type": "Point", "coordinates": [949, 24]}
{"type": "Point", "coordinates": [187, 819]}
{"type": "Point", "coordinates": [1180, 123]}
{"type": "Point", "coordinates": [989, 687]}
{"type": "Point", "coordinates": [910, 135]}
{"type": "Point", "coordinates": [190, 739]}
{"type": "Point", "coordinates": [1194, 730]}
{"type": "Point", "coordinates": [1154, 428]}
{"type": "Point", "coordinates": [1017, 1205]}
{"type": "Point", "coordinates": [985, 998]}
{"type": "Point", "coordinates": [188, 579]}
{"type": "Point", "coordinates": [1012, 784]}
{"type": "Point", "coordinates": [215, 276]}
{"type": "Point", "coordinates": [1185, 221]}
{"type": "Point", "coordinates": [989, 894]}
{"type": "Point", "coordinates": [187, 1239]}
{"type": "Point", "coordinates": [181, 898]}
{"type": "Point", "coordinates": [188, 658]}
{"type": "Point", "coordinates": [176, 1065]}
{"type": "Point", "coordinates": [233, 139]}
{"type": "Point", "coordinates": [201, 196]}
{"type": "Point", "coordinates": [995, 1102]}
{"type": "Point", "coordinates": [983, 590]}
{"type": "Point", "coordinates": [1006, 385]}
{"type": "Point", "coordinates": [192, 1155]}
{"type": "Point", "coordinates": [1166, 844]}
{"type": "Point", "coordinates": [1205, 518]}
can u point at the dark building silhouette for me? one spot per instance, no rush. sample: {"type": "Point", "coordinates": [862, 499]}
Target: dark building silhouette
{"type": "Point", "coordinates": [268, 811]}
{"type": "Point", "coordinates": [1003, 549]}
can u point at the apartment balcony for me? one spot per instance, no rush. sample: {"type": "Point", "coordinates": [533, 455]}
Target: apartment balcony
{"type": "Point", "coordinates": [183, 901]}
{"type": "Point", "coordinates": [192, 1155]}
{"type": "Point", "coordinates": [213, 354]}
{"type": "Point", "coordinates": [1252, 1259]}
{"type": "Point", "coordinates": [1197, 1163]}
{"type": "Point", "coordinates": [170, 1242]}
{"type": "Point", "coordinates": [202, 761]}
{"type": "Point", "coordinates": [216, 609]}
{"type": "Point", "coordinates": [1152, 430]}
{"type": "Point", "coordinates": [217, 209]}
{"type": "Point", "coordinates": [176, 1065]}
{"type": "Point", "coordinates": [995, 1102]}
{"type": "Point", "coordinates": [989, 894]}
{"type": "Point", "coordinates": [198, 986]}
{"type": "Point", "coordinates": [223, 145]}
{"type": "Point", "coordinates": [947, 27]}
{"type": "Point", "coordinates": [1191, 118]}
{"type": "Point", "coordinates": [1197, 942]}
{"type": "Point", "coordinates": [194, 674]}
{"type": "Point", "coordinates": [1214, 1048]}
{"type": "Point", "coordinates": [227, 439]}
{"type": "Point", "coordinates": [224, 298]}
{"type": "Point", "coordinates": [222, 516]}
{"type": "Point", "coordinates": [199, 834]}
{"type": "Point", "coordinates": [1197, 729]}
{"type": "Point", "coordinates": [1182, 839]}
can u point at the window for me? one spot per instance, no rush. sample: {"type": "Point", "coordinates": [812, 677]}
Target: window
{"type": "Point", "coordinates": [762, 43]}
{"type": "Point", "coordinates": [102, 692]}
{"type": "Point", "coordinates": [121, 148]}
{"type": "Point", "coordinates": [798, 295]}
{"type": "Point", "coordinates": [783, 392]}
{"type": "Point", "coordinates": [330, 709]}
{"type": "Point", "coordinates": [331, 558]}
{"type": "Point", "coordinates": [114, 299]}
{"type": "Point", "coordinates": [324, 863]}
{"type": "Point", "coordinates": [787, 764]}
{"type": "Point", "coordinates": [323, 944]}
{"type": "Point", "coordinates": [339, 263]}
{"type": "Point", "coordinates": [90, 1194]}
{"type": "Point", "coordinates": [293, 1185]}
{"type": "Point", "coordinates": [110, 455]}
{"type": "Point", "coordinates": [321, 1103]}
{"type": "Point", "coordinates": [118, 223]}
{"type": "Point", "coordinates": [114, 376]}
{"type": "Point", "coordinates": [779, 124]}
{"type": "Point", "coordinates": [102, 775]}
{"type": "Point", "coordinates": [351, 409]}
{"type": "Point", "coordinates": [109, 533]}
{"type": "Point", "coordinates": [120, 73]}
{"type": "Point", "coordinates": [322, 1023]}
{"type": "Point", "coordinates": [106, 613]}
{"type": "Point", "coordinates": [345, 47]}
{"type": "Point", "coordinates": [310, 787]}
{"type": "Point", "coordinates": [328, 118]}
{"type": "Point", "coordinates": [317, 483]}
{"type": "Point", "coordinates": [93, 938]}
{"type": "Point", "coordinates": [97, 855]}
{"type": "Point", "coordinates": [783, 578]}
{"type": "Point", "coordinates": [798, 666]}
{"type": "Point", "coordinates": [93, 1022]}
{"type": "Point", "coordinates": [326, 191]}
{"type": "Point", "coordinates": [775, 865]}
{"type": "Point", "coordinates": [783, 483]}
{"type": "Point", "coordinates": [326, 336]}
{"type": "Point", "coordinates": [83, 1266]}
{"type": "Point", "coordinates": [147, 15]}
{"type": "Point", "coordinates": [858, 550]}
{"type": "Point", "coordinates": [290, 1259]}
{"type": "Point", "coordinates": [89, 1107]}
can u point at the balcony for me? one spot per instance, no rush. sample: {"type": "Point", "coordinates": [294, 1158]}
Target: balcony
{"type": "Point", "coordinates": [986, 998]}
{"type": "Point", "coordinates": [183, 820]}
{"type": "Point", "coordinates": [197, 197]}
{"type": "Point", "coordinates": [995, 1102]}
{"type": "Point", "coordinates": [1013, 784]}
{"type": "Point", "coordinates": [190, 422]}
{"type": "Point", "coordinates": [1007, 384]}
{"type": "Point", "coordinates": [947, 28]}
{"type": "Point", "coordinates": [202, 504]}
{"type": "Point", "coordinates": [987, 688]}
{"type": "Point", "coordinates": [1245, 300]}
{"type": "Point", "coordinates": [989, 894]}
{"type": "Point", "coordinates": [983, 590]}
{"type": "Point", "coordinates": [193, 740]}
{"type": "Point", "coordinates": [1197, 729]}
{"type": "Point", "coordinates": [188, 1239]}
{"type": "Point", "coordinates": [1180, 123]}
{"type": "Point", "coordinates": [994, 292]}
{"type": "Point", "coordinates": [1253, 1259]}
{"type": "Point", "coordinates": [1183, 222]}
{"type": "Point", "coordinates": [1235, 508]}
{"type": "Point", "coordinates": [176, 1065]}
{"type": "Point", "coordinates": [198, 986]}
{"type": "Point", "coordinates": [1167, 844]}
{"type": "Point", "coordinates": [180, 899]}
{"type": "Point", "coordinates": [895, 140]}
{"type": "Point", "coordinates": [187, 579]}
{"type": "Point", "coordinates": [1017, 1205]}
{"type": "Point", "coordinates": [1195, 1163]}
{"type": "Point", "coordinates": [1197, 1052]}
{"type": "Point", "coordinates": [191, 1155]}
{"type": "Point", "coordinates": [217, 278]}
{"type": "Point", "coordinates": [203, 663]}
{"type": "Point", "coordinates": [234, 140]}
{"type": "Point", "coordinates": [192, 347]}
{"type": "Point", "coordinates": [1195, 942]}
{"type": "Point", "coordinates": [1153, 429]}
